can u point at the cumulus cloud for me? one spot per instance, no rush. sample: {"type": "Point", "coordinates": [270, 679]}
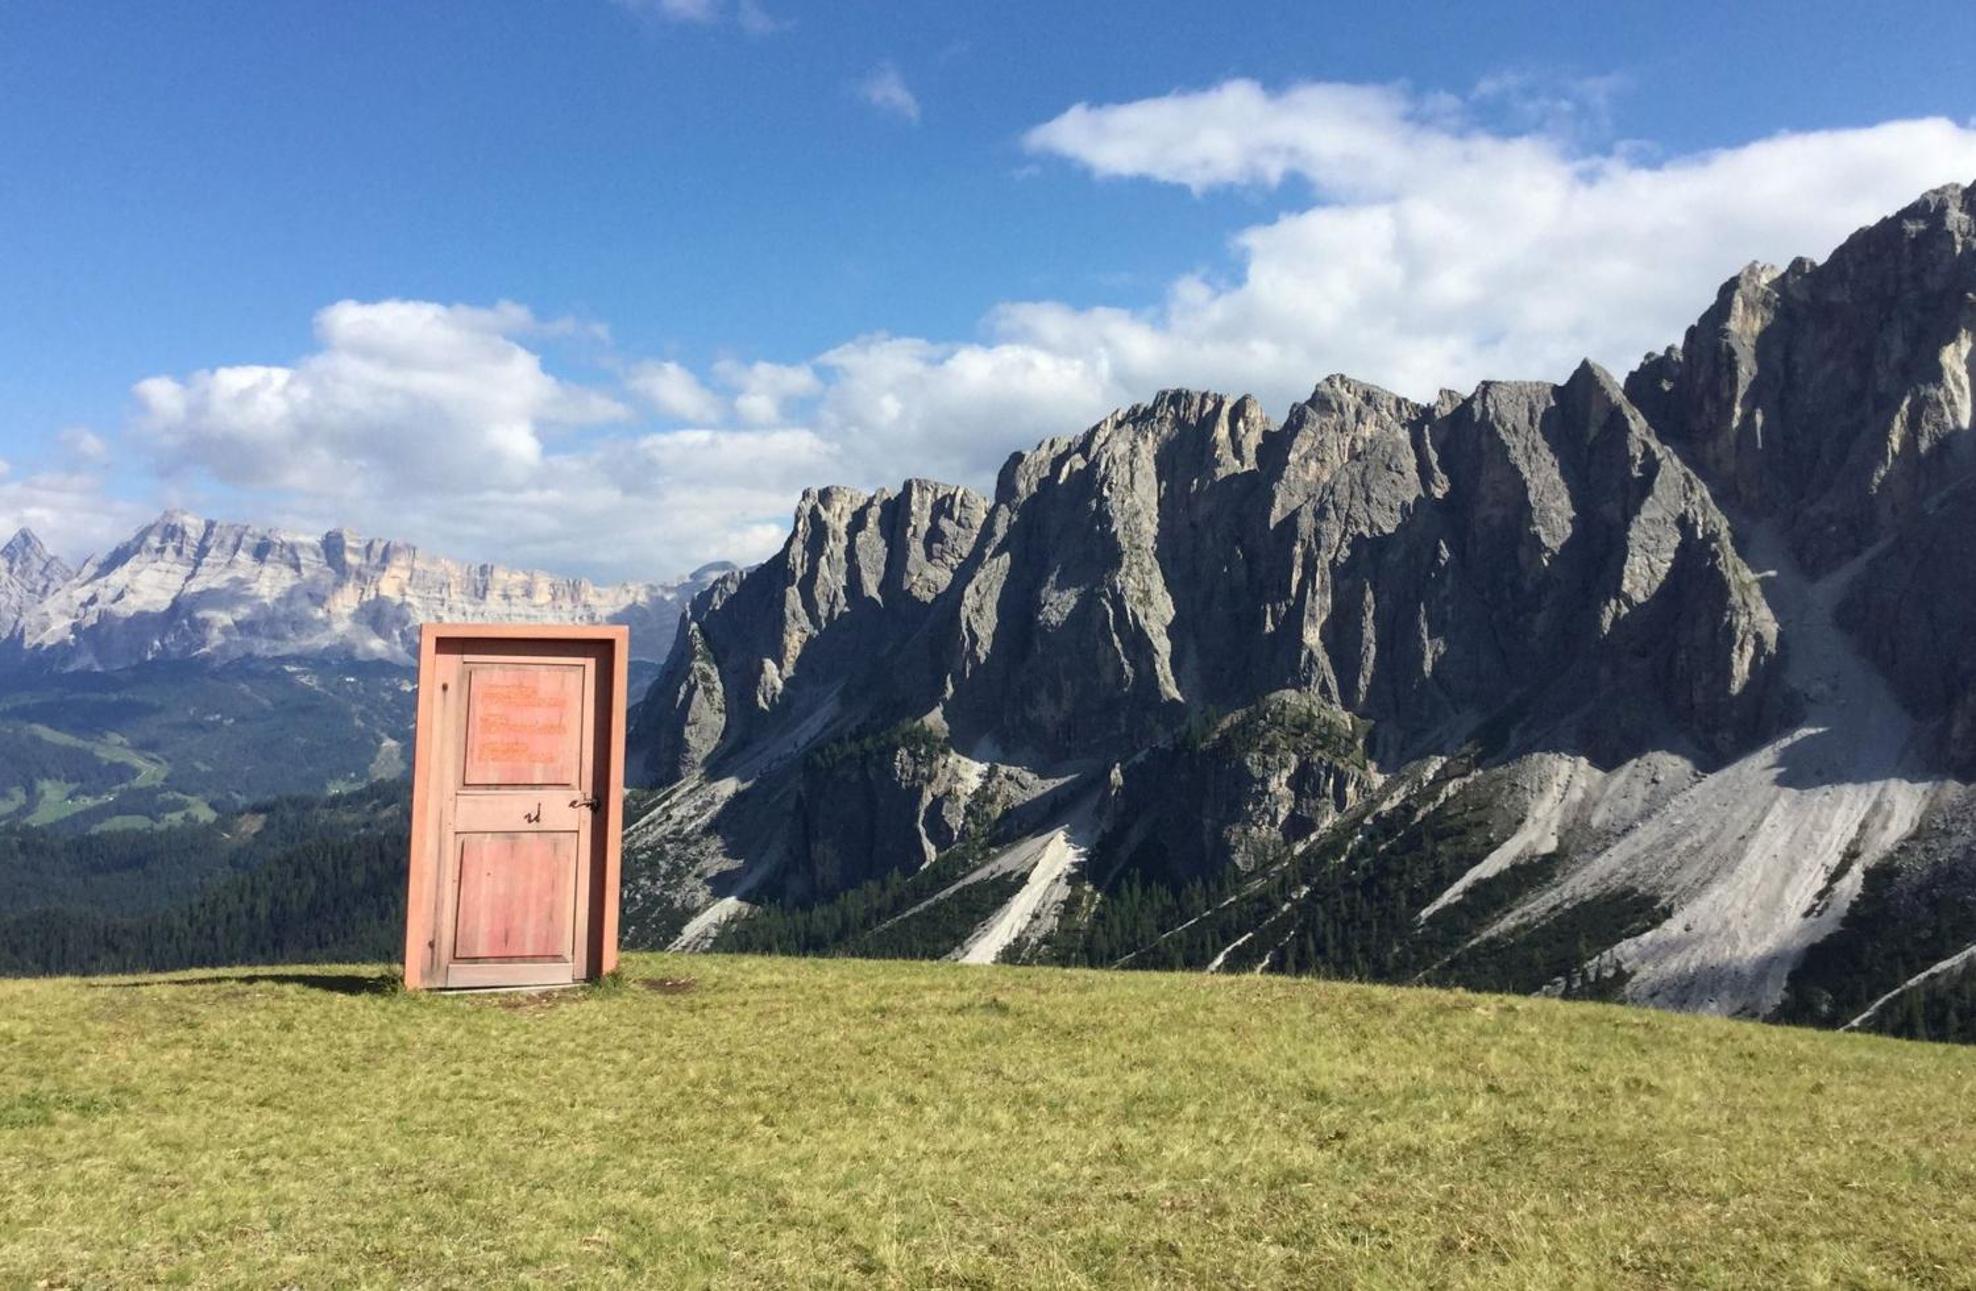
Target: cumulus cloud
{"type": "Point", "coordinates": [762, 391]}
{"type": "Point", "coordinates": [673, 391]}
{"type": "Point", "coordinates": [903, 406]}
{"type": "Point", "coordinates": [399, 389]}
{"type": "Point", "coordinates": [438, 424]}
{"type": "Point", "coordinates": [1416, 240]}
{"type": "Point", "coordinates": [69, 510]}
{"type": "Point", "coordinates": [622, 507]}
{"type": "Point", "coordinates": [84, 445]}
{"type": "Point", "coordinates": [1431, 251]}
{"type": "Point", "coordinates": [884, 88]}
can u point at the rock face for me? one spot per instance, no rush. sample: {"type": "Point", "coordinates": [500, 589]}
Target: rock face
{"type": "Point", "coordinates": [855, 579]}
{"type": "Point", "coordinates": [1239, 791]}
{"type": "Point", "coordinates": [1411, 565]}
{"type": "Point", "coordinates": [183, 587]}
{"type": "Point", "coordinates": [1578, 687]}
{"type": "Point", "coordinates": [1913, 608]}
{"type": "Point", "coordinates": [872, 806]}
{"type": "Point", "coordinates": [28, 572]}
{"type": "Point", "coordinates": [1835, 395]}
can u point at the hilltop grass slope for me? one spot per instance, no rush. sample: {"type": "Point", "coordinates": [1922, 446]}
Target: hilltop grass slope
{"type": "Point", "coordinates": [762, 1121]}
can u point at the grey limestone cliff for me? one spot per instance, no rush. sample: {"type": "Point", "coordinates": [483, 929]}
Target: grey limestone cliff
{"type": "Point", "coordinates": [1834, 395]}
{"type": "Point", "coordinates": [856, 577]}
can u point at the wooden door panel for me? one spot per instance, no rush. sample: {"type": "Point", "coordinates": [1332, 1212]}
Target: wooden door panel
{"type": "Point", "coordinates": [516, 809]}
{"type": "Point", "coordinates": [519, 729]}
{"type": "Point", "coordinates": [524, 725]}
{"type": "Point", "coordinates": [517, 896]}
{"type": "Point", "coordinates": [547, 810]}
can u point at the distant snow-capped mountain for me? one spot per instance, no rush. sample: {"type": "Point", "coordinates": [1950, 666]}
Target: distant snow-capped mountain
{"type": "Point", "coordinates": [183, 587]}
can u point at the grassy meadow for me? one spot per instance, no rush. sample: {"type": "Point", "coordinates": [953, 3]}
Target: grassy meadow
{"type": "Point", "coordinates": [728, 1121]}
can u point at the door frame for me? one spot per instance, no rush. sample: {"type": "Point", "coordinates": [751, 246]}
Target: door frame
{"type": "Point", "coordinates": [598, 940]}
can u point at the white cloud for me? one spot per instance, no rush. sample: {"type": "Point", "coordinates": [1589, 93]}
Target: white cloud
{"type": "Point", "coordinates": [1415, 246]}
{"type": "Point", "coordinates": [693, 11]}
{"type": "Point", "coordinates": [436, 424]}
{"type": "Point", "coordinates": [1570, 108]}
{"type": "Point", "coordinates": [675, 392]}
{"type": "Point", "coordinates": [626, 507]}
{"type": "Point", "coordinates": [67, 509]}
{"type": "Point", "coordinates": [764, 390]}
{"type": "Point", "coordinates": [885, 88]}
{"type": "Point", "coordinates": [902, 406]}
{"type": "Point", "coordinates": [84, 445]}
{"type": "Point", "coordinates": [1433, 252]}
{"type": "Point", "coordinates": [1365, 136]}
{"type": "Point", "coordinates": [749, 15]}
{"type": "Point", "coordinates": [757, 21]}
{"type": "Point", "coordinates": [399, 390]}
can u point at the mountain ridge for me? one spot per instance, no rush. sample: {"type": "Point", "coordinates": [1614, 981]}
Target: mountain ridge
{"type": "Point", "coordinates": [186, 587]}
{"type": "Point", "coordinates": [1591, 684]}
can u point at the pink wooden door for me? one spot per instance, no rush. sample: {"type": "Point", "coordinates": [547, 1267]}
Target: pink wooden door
{"type": "Point", "coordinates": [517, 769]}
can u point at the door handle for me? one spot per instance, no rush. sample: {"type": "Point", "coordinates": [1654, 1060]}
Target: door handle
{"type": "Point", "coordinates": [587, 800]}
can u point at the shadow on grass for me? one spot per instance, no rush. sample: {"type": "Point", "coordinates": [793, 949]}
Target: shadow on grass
{"type": "Point", "coordinates": [335, 983]}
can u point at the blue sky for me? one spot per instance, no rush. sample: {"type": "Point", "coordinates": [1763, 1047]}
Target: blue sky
{"type": "Point", "coordinates": [638, 201]}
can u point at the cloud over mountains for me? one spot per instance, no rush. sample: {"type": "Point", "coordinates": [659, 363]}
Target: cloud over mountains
{"type": "Point", "coordinates": [1434, 239]}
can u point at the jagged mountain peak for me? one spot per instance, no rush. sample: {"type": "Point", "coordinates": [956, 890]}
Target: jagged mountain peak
{"type": "Point", "coordinates": [1150, 552]}
{"type": "Point", "coordinates": [1340, 390]}
{"type": "Point", "coordinates": [176, 534]}
{"type": "Point", "coordinates": [1186, 406]}
{"type": "Point", "coordinates": [1833, 396]}
{"type": "Point", "coordinates": [28, 572]}
{"type": "Point", "coordinates": [177, 523]}
{"type": "Point", "coordinates": [842, 500]}
{"type": "Point", "coordinates": [26, 557]}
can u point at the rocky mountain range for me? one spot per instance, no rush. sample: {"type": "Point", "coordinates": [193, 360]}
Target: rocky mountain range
{"type": "Point", "coordinates": [200, 666]}
{"type": "Point", "coordinates": [183, 587]}
{"type": "Point", "coordinates": [1654, 688]}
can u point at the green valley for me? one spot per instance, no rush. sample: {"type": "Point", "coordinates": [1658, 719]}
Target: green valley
{"type": "Point", "coordinates": [174, 743]}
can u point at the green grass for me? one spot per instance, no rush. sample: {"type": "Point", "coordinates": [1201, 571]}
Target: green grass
{"type": "Point", "coordinates": [194, 811]}
{"type": "Point", "coordinates": [56, 799]}
{"type": "Point", "coordinates": [836, 1122]}
{"type": "Point", "coordinates": [52, 801]}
